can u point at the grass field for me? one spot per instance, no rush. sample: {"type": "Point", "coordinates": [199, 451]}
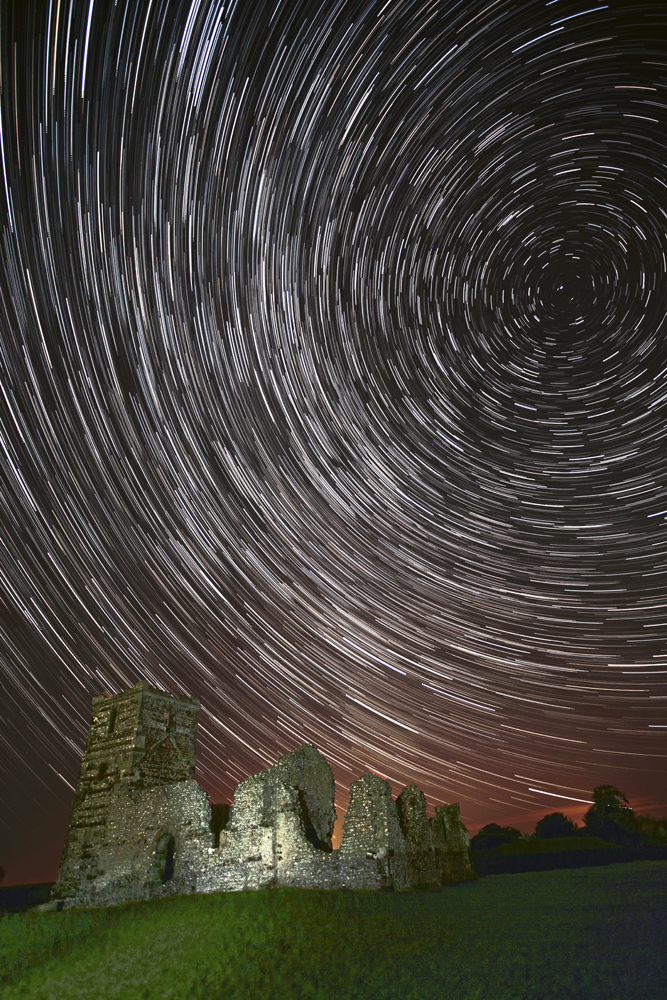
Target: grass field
{"type": "Point", "coordinates": [596, 933]}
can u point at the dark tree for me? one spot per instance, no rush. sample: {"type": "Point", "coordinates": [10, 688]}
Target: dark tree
{"type": "Point", "coordinates": [611, 817]}
{"type": "Point", "coordinates": [555, 825]}
{"type": "Point", "coordinates": [492, 835]}
{"type": "Point", "coordinates": [610, 798]}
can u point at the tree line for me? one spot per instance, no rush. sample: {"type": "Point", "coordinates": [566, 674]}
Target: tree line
{"type": "Point", "coordinates": [610, 818]}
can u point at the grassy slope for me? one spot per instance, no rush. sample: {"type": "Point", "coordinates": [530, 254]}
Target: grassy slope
{"type": "Point", "coordinates": [593, 933]}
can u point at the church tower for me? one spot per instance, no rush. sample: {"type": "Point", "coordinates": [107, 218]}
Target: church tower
{"type": "Point", "coordinates": [140, 739]}
{"type": "Point", "coordinates": [143, 736]}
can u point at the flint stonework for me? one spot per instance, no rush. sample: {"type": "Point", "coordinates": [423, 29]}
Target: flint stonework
{"type": "Point", "coordinates": [141, 827]}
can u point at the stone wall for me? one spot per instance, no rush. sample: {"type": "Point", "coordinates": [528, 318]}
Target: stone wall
{"type": "Point", "coordinates": [452, 843]}
{"type": "Point", "coordinates": [155, 844]}
{"type": "Point", "coordinates": [141, 827]}
{"type": "Point", "coordinates": [421, 860]}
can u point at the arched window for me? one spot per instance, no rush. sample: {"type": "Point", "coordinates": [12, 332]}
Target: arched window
{"type": "Point", "coordinates": [102, 771]}
{"type": "Point", "coordinates": [112, 719]}
{"type": "Point", "coordinates": [164, 854]}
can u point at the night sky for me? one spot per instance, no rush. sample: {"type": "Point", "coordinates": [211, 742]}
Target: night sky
{"type": "Point", "coordinates": [333, 357]}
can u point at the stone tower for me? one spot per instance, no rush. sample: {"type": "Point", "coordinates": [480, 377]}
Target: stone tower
{"type": "Point", "coordinates": [141, 748]}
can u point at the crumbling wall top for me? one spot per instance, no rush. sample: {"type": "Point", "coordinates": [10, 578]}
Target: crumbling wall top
{"type": "Point", "coordinates": [306, 769]}
{"type": "Point", "coordinates": [371, 827]}
{"type": "Point", "coordinates": [448, 817]}
{"type": "Point", "coordinates": [412, 814]}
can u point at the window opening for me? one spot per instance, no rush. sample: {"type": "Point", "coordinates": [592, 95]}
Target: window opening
{"type": "Point", "coordinates": [220, 816]}
{"type": "Point", "coordinates": [165, 856]}
{"type": "Point", "coordinates": [112, 719]}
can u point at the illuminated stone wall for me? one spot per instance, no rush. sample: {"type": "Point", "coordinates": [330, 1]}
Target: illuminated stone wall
{"type": "Point", "coordinates": [141, 827]}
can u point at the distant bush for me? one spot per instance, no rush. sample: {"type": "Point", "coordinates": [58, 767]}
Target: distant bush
{"type": "Point", "coordinates": [653, 831]}
{"type": "Point", "coordinates": [492, 836]}
{"type": "Point", "coordinates": [555, 825]}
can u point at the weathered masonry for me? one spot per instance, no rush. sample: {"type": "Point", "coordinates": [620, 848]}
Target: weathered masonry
{"type": "Point", "coordinates": [141, 826]}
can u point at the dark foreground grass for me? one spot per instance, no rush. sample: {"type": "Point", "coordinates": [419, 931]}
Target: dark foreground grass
{"type": "Point", "coordinates": [586, 933]}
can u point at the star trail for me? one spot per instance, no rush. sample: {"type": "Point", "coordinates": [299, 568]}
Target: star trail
{"type": "Point", "coordinates": [333, 358]}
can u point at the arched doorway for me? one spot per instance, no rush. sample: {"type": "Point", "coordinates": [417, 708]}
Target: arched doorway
{"type": "Point", "coordinates": [164, 856]}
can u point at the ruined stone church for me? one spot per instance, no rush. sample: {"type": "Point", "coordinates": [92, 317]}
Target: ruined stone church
{"type": "Point", "coordinates": [141, 827]}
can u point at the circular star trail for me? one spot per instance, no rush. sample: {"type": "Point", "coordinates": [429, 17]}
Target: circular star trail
{"type": "Point", "coordinates": [334, 388]}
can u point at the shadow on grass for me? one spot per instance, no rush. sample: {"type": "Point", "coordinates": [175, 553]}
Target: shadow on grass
{"type": "Point", "coordinates": [559, 853]}
{"type": "Point", "coordinates": [17, 898]}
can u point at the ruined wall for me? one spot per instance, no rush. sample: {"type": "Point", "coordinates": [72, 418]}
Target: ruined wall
{"type": "Point", "coordinates": [372, 835]}
{"type": "Point", "coordinates": [420, 861]}
{"type": "Point", "coordinates": [452, 843]}
{"type": "Point", "coordinates": [141, 827]}
{"type": "Point", "coordinates": [389, 843]}
{"type": "Point", "coordinates": [155, 844]}
{"type": "Point", "coordinates": [279, 829]}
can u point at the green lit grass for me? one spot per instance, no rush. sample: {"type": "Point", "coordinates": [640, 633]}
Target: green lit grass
{"type": "Point", "coordinates": [594, 933]}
